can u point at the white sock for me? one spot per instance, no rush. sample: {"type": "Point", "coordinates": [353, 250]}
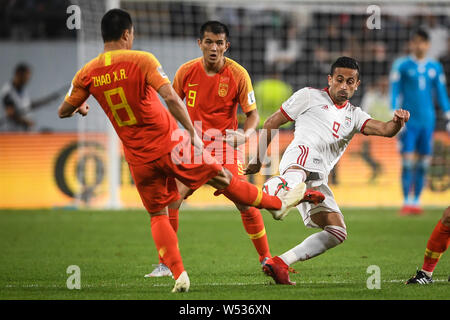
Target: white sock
{"type": "Point", "coordinates": [315, 244]}
{"type": "Point", "coordinates": [428, 273]}
{"type": "Point", "coordinates": [294, 177]}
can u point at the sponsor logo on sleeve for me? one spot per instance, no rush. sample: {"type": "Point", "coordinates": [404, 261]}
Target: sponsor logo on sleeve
{"type": "Point", "coordinates": [251, 97]}
{"type": "Point", "coordinates": [161, 72]}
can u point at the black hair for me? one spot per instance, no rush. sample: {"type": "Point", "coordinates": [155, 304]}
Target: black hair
{"type": "Point", "coordinates": [422, 33]}
{"type": "Point", "coordinates": [22, 68]}
{"type": "Point", "coordinates": [215, 27]}
{"type": "Point", "coordinates": [345, 62]}
{"type": "Point", "coordinates": [114, 23]}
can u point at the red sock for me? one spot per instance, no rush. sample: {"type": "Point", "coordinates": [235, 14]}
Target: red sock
{"type": "Point", "coordinates": [254, 225]}
{"type": "Point", "coordinates": [436, 246]}
{"type": "Point", "coordinates": [167, 244]}
{"type": "Point", "coordinates": [242, 192]}
{"type": "Point", "coordinates": [173, 220]}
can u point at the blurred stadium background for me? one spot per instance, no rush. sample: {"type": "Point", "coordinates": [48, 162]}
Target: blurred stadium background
{"type": "Point", "coordinates": [284, 45]}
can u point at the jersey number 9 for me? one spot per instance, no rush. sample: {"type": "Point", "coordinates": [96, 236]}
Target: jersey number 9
{"type": "Point", "coordinates": [192, 94]}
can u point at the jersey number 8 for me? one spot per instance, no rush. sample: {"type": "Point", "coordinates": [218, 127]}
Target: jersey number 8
{"type": "Point", "coordinates": [123, 104]}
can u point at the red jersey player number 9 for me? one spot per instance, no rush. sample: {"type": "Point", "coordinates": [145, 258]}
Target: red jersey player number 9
{"type": "Point", "coordinates": [191, 98]}
{"type": "Point", "coordinates": [123, 104]}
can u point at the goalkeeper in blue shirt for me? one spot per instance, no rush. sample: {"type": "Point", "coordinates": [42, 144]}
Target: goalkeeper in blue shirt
{"type": "Point", "coordinates": [415, 83]}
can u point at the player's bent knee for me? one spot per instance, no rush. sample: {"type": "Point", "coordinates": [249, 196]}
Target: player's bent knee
{"type": "Point", "coordinates": [159, 213]}
{"type": "Point", "coordinates": [339, 234]}
{"type": "Point", "coordinates": [177, 204]}
{"type": "Point", "coordinates": [221, 180]}
{"type": "Point", "coordinates": [241, 208]}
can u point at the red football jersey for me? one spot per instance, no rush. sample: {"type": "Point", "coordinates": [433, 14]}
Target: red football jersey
{"type": "Point", "coordinates": [213, 100]}
{"type": "Point", "coordinates": [125, 84]}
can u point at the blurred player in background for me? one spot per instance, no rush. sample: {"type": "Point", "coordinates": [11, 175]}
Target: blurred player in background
{"type": "Point", "coordinates": [213, 85]}
{"type": "Point", "coordinates": [325, 122]}
{"type": "Point", "coordinates": [17, 104]}
{"type": "Point", "coordinates": [436, 246]}
{"type": "Point", "coordinates": [126, 84]}
{"type": "Point", "coordinates": [415, 80]}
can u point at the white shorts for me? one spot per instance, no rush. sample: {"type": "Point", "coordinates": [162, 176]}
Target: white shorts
{"type": "Point", "coordinates": [304, 157]}
{"type": "Point", "coordinates": [328, 205]}
{"type": "Point", "coordinates": [309, 159]}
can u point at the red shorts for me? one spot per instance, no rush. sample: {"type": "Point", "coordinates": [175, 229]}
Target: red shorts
{"type": "Point", "coordinates": [155, 181]}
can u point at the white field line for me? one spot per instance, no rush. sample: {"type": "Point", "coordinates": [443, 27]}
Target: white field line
{"type": "Point", "coordinates": [124, 285]}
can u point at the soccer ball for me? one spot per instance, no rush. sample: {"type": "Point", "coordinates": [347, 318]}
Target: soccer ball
{"type": "Point", "coordinates": [274, 185]}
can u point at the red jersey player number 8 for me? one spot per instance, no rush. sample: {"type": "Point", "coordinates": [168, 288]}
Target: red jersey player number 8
{"type": "Point", "coordinates": [123, 104]}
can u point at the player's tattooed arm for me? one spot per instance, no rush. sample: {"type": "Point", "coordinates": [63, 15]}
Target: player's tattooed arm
{"type": "Point", "coordinates": [275, 121]}
{"type": "Point", "coordinates": [387, 129]}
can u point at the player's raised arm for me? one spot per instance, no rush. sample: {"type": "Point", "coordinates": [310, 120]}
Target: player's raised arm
{"type": "Point", "coordinates": [387, 129]}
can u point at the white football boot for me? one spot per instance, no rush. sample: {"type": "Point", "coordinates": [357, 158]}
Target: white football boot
{"type": "Point", "coordinates": [289, 199]}
{"type": "Point", "coordinates": [161, 270]}
{"type": "Point", "coordinates": [182, 284]}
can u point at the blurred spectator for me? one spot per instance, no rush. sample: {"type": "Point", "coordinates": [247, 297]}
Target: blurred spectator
{"type": "Point", "coordinates": [438, 37]}
{"type": "Point", "coordinates": [284, 47]}
{"type": "Point", "coordinates": [374, 62]}
{"type": "Point", "coordinates": [16, 103]}
{"type": "Point", "coordinates": [34, 19]}
{"type": "Point", "coordinates": [270, 94]}
{"type": "Point", "coordinates": [375, 100]}
{"type": "Point", "coordinates": [445, 61]}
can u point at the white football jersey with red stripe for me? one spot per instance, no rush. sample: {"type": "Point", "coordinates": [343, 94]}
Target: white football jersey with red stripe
{"type": "Point", "coordinates": [323, 130]}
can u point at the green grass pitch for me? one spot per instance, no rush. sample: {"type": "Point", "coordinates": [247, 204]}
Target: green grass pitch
{"type": "Point", "coordinates": [114, 250]}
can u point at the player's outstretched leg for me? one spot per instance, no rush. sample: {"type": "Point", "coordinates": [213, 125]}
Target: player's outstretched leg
{"type": "Point", "coordinates": [245, 193]}
{"type": "Point", "coordinates": [437, 244]}
{"type": "Point", "coordinates": [295, 177]}
{"type": "Point", "coordinates": [290, 200]}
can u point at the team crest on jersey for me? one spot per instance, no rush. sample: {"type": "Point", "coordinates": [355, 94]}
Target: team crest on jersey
{"type": "Point", "coordinates": [223, 86]}
{"type": "Point", "coordinates": [348, 122]}
{"type": "Point", "coordinates": [325, 107]}
{"type": "Point", "coordinates": [223, 89]}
